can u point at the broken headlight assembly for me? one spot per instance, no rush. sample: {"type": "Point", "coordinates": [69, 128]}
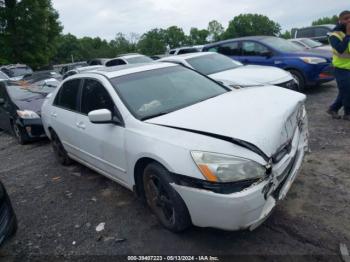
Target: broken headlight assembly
{"type": "Point", "coordinates": [227, 169]}
{"type": "Point", "coordinates": [27, 114]}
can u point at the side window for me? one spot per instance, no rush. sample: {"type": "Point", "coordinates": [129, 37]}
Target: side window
{"type": "Point", "coordinates": [253, 49]}
{"type": "Point", "coordinates": [172, 52]}
{"type": "Point", "coordinates": [230, 49]}
{"type": "Point", "coordinates": [306, 32]}
{"type": "Point", "coordinates": [320, 32]}
{"type": "Point", "coordinates": [213, 49]}
{"type": "Point", "coordinates": [68, 95]}
{"type": "Point", "coordinates": [95, 97]}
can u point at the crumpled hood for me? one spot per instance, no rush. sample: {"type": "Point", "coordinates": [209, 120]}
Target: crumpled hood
{"type": "Point", "coordinates": [33, 104]}
{"type": "Point", "coordinates": [265, 117]}
{"type": "Point", "coordinates": [254, 73]}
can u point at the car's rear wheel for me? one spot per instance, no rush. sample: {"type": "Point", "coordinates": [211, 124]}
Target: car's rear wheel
{"type": "Point", "coordinates": [60, 153]}
{"type": "Point", "coordinates": [300, 78]}
{"type": "Point", "coordinates": [163, 200]}
{"type": "Point", "coordinates": [19, 133]}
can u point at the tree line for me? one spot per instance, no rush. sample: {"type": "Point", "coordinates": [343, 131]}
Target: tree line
{"type": "Point", "coordinates": [31, 33]}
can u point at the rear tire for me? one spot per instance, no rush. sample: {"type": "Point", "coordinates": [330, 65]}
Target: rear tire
{"type": "Point", "coordinates": [300, 78]}
{"type": "Point", "coordinates": [163, 200]}
{"type": "Point", "coordinates": [59, 151]}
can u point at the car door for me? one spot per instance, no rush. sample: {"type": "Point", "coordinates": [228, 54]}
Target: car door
{"type": "Point", "coordinates": [4, 109]}
{"type": "Point", "coordinates": [256, 54]}
{"type": "Point", "coordinates": [63, 115]}
{"type": "Point", "coordinates": [102, 145]}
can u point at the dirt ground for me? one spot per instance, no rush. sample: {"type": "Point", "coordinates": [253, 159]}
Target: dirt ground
{"type": "Point", "coordinates": [59, 208]}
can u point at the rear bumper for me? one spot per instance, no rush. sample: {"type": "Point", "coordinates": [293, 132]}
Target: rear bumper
{"type": "Point", "coordinates": [250, 207]}
{"type": "Point", "coordinates": [323, 74]}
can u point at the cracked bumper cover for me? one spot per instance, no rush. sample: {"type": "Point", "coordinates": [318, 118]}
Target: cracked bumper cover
{"type": "Point", "coordinates": [247, 209]}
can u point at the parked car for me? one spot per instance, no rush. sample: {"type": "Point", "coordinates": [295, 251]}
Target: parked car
{"type": "Point", "coordinates": [198, 152]}
{"type": "Point", "coordinates": [41, 75]}
{"type": "Point", "coordinates": [308, 43]}
{"type": "Point", "coordinates": [8, 220]}
{"type": "Point", "coordinates": [317, 32]}
{"type": "Point", "coordinates": [308, 67]}
{"type": "Point", "coordinates": [157, 57]}
{"type": "Point", "coordinates": [183, 50]}
{"type": "Point", "coordinates": [20, 112]}
{"type": "Point", "coordinates": [126, 59]}
{"type": "Point", "coordinates": [233, 73]}
{"type": "Point", "coordinates": [80, 70]}
{"type": "Point", "coordinates": [62, 69]}
{"type": "Point", "coordinates": [16, 72]}
{"type": "Point", "coordinates": [98, 61]}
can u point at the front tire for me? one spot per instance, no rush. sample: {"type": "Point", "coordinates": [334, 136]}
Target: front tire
{"type": "Point", "coordinates": [20, 134]}
{"type": "Point", "coordinates": [163, 200]}
{"type": "Point", "coordinates": [300, 78]}
{"type": "Point", "coordinates": [59, 151]}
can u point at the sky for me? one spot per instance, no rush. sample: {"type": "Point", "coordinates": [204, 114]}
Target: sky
{"type": "Point", "coordinates": [105, 18]}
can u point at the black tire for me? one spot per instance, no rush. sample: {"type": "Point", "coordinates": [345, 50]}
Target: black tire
{"type": "Point", "coordinates": [20, 134]}
{"type": "Point", "coordinates": [59, 151]}
{"type": "Point", "coordinates": [163, 200]}
{"type": "Point", "coordinates": [300, 78]}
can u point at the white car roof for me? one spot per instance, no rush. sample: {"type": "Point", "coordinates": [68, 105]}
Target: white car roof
{"type": "Point", "coordinates": [129, 56]}
{"type": "Point", "coordinates": [115, 71]}
{"type": "Point", "coordinates": [185, 56]}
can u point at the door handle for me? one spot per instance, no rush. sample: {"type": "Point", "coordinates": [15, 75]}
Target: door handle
{"type": "Point", "coordinates": [54, 114]}
{"type": "Point", "coordinates": [80, 125]}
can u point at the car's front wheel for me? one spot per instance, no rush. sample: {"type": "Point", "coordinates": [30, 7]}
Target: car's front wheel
{"type": "Point", "coordinates": [300, 79]}
{"type": "Point", "coordinates": [20, 134]}
{"type": "Point", "coordinates": [163, 200]}
{"type": "Point", "coordinates": [60, 153]}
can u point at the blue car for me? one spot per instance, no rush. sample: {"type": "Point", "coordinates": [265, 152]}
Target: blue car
{"type": "Point", "coordinates": [309, 68]}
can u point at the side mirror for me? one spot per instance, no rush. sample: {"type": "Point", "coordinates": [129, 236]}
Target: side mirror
{"type": "Point", "coordinates": [104, 116]}
{"type": "Point", "coordinates": [101, 116]}
{"type": "Point", "coordinates": [267, 54]}
{"type": "Point", "coordinates": [2, 101]}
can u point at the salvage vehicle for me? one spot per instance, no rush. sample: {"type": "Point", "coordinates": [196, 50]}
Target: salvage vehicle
{"type": "Point", "coordinates": [81, 69]}
{"type": "Point", "coordinates": [17, 71]}
{"type": "Point", "coordinates": [20, 112]}
{"type": "Point", "coordinates": [198, 152]}
{"type": "Point", "coordinates": [184, 50]}
{"type": "Point", "coordinates": [316, 32]}
{"type": "Point", "coordinates": [125, 59]}
{"type": "Point", "coordinates": [233, 73]}
{"type": "Point", "coordinates": [8, 220]}
{"type": "Point", "coordinates": [309, 67]}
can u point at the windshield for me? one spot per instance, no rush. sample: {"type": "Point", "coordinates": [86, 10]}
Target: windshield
{"type": "Point", "coordinates": [139, 60]}
{"type": "Point", "coordinates": [213, 63]}
{"type": "Point", "coordinates": [151, 93]}
{"type": "Point", "coordinates": [3, 76]}
{"type": "Point", "coordinates": [281, 45]}
{"type": "Point", "coordinates": [18, 93]}
{"type": "Point", "coordinates": [311, 43]}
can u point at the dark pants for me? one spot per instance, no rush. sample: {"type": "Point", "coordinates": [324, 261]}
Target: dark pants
{"type": "Point", "coordinates": [343, 100]}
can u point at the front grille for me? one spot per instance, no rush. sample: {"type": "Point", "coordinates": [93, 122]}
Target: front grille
{"type": "Point", "coordinates": [37, 130]}
{"type": "Point", "coordinates": [289, 85]}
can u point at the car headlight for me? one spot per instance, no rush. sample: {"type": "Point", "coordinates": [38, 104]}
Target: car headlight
{"type": "Point", "coordinates": [313, 60]}
{"type": "Point", "coordinates": [225, 168]}
{"type": "Point", "coordinates": [27, 114]}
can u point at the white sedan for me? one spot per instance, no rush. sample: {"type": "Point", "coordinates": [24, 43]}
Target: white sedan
{"type": "Point", "coordinates": [233, 73]}
{"type": "Point", "coordinates": [198, 152]}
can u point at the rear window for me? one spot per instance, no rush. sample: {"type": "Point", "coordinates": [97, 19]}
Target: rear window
{"type": "Point", "coordinates": [188, 51]}
{"type": "Point", "coordinates": [67, 96]}
{"type": "Point", "coordinates": [139, 60]}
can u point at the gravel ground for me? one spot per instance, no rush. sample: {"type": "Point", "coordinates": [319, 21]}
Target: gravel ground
{"type": "Point", "coordinates": [59, 208]}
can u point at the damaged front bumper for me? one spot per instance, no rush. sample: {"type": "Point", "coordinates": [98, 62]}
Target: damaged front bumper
{"type": "Point", "coordinates": [250, 207]}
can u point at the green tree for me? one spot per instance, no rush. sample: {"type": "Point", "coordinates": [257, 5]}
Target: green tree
{"type": "Point", "coordinates": [286, 35]}
{"type": "Point", "coordinates": [326, 20]}
{"type": "Point", "coordinates": [29, 31]}
{"type": "Point", "coordinates": [198, 36]}
{"type": "Point", "coordinates": [122, 45]}
{"type": "Point", "coordinates": [251, 24]}
{"type": "Point", "coordinates": [152, 42]}
{"type": "Point", "coordinates": [68, 48]}
{"type": "Point", "coordinates": [175, 37]}
{"type": "Point", "coordinates": [215, 30]}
